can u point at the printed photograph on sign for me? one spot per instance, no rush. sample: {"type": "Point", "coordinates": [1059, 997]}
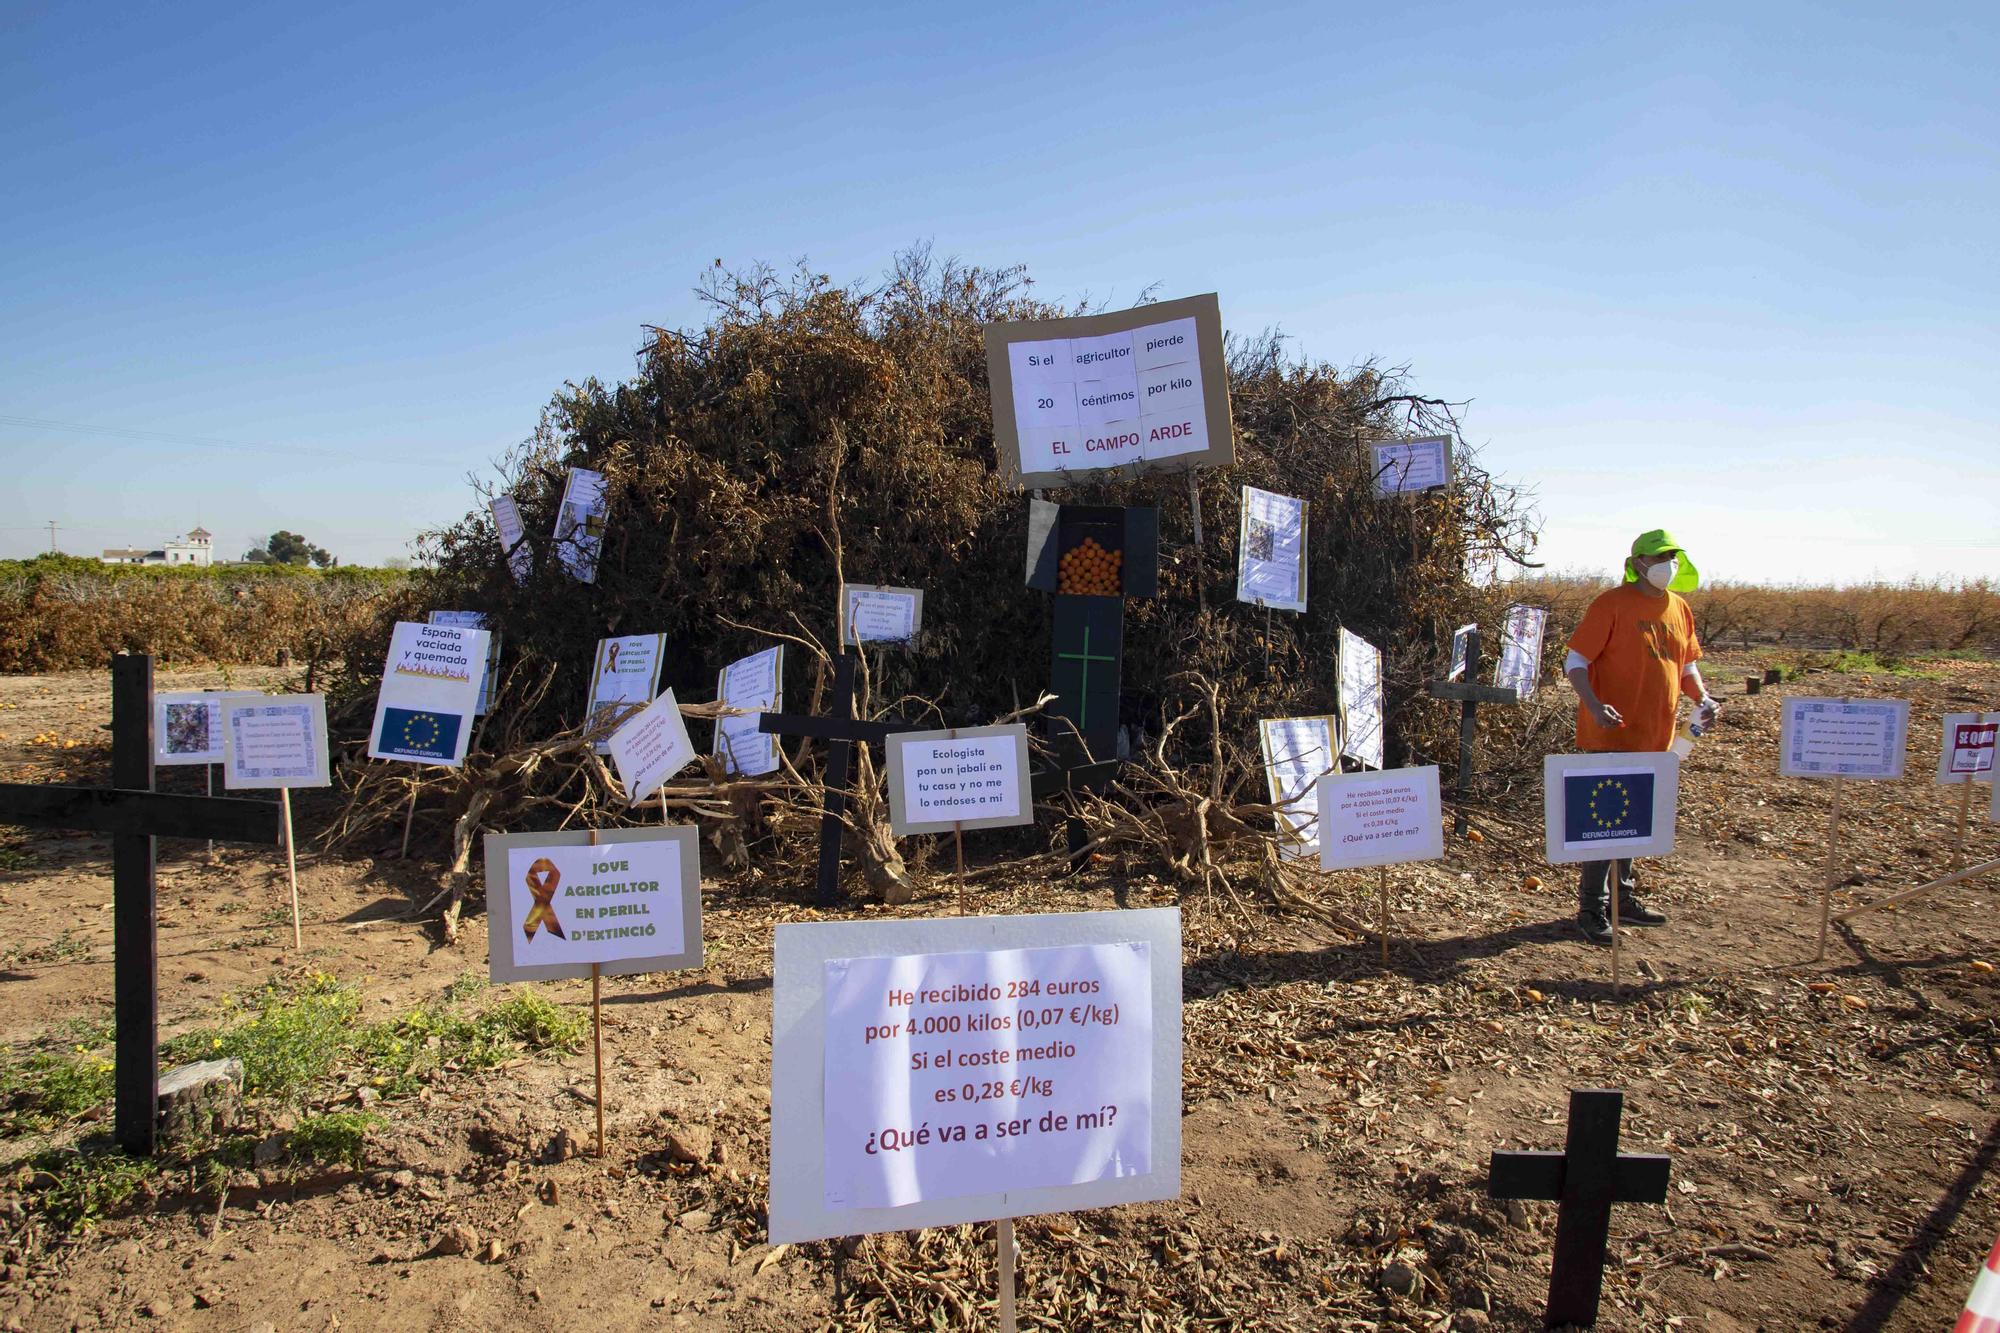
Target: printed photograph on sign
{"type": "Point", "coordinates": [579, 534]}
{"type": "Point", "coordinates": [624, 678]}
{"type": "Point", "coordinates": [882, 615]}
{"type": "Point", "coordinates": [651, 747]}
{"type": "Point", "coordinates": [970, 777]}
{"type": "Point", "coordinates": [556, 903]}
{"type": "Point", "coordinates": [1849, 738]}
{"type": "Point", "coordinates": [1412, 465]}
{"type": "Point", "coordinates": [429, 699]}
{"type": "Point", "coordinates": [756, 685]}
{"type": "Point", "coordinates": [1297, 750]}
{"type": "Point", "coordinates": [188, 728]}
{"type": "Point", "coordinates": [489, 677]}
{"type": "Point", "coordinates": [1967, 751]}
{"type": "Point", "coordinates": [1125, 392]}
{"type": "Point", "coordinates": [1604, 807]}
{"type": "Point", "coordinates": [1380, 819]}
{"type": "Point", "coordinates": [931, 1072]}
{"type": "Point", "coordinates": [1461, 649]}
{"type": "Point", "coordinates": [276, 740]}
{"type": "Point", "coordinates": [513, 537]}
{"type": "Point", "coordinates": [1520, 666]}
{"type": "Point", "coordinates": [1271, 551]}
{"type": "Point", "coordinates": [1361, 704]}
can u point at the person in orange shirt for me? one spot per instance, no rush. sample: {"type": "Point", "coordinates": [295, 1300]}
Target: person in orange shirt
{"type": "Point", "coordinates": [1631, 659]}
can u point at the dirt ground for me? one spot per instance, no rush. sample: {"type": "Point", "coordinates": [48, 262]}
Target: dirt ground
{"type": "Point", "coordinates": [1832, 1126]}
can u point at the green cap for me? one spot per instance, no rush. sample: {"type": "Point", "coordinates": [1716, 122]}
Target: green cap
{"type": "Point", "coordinates": [1659, 542]}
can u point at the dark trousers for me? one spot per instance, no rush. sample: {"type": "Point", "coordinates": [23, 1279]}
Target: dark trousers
{"type": "Point", "coordinates": [1593, 888]}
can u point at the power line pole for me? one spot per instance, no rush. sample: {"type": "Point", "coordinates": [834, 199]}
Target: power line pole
{"type": "Point", "coordinates": [52, 536]}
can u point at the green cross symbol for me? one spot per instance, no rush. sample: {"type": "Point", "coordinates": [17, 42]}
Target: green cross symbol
{"type": "Point", "coordinates": [1083, 685]}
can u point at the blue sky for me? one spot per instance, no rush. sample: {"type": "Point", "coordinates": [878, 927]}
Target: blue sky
{"type": "Point", "coordinates": [1730, 269]}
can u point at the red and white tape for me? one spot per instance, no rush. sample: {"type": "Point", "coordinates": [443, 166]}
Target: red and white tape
{"type": "Point", "coordinates": [1982, 1307]}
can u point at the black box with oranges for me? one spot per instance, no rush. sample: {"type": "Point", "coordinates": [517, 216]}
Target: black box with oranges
{"type": "Point", "coordinates": [1094, 550]}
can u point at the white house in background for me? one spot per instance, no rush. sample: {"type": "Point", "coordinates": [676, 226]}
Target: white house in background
{"type": "Point", "coordinates": [196, 548]}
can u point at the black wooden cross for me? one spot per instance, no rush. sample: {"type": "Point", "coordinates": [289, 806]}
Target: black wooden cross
{"type": "Point", "coordinates": [1587, 1177]}
{"type": "Point", "coordinates": [133, 814]}
{"type": "Point", "coordinates": [843, 729]}
{"type": "Point", "coordinates": [1470, 694]}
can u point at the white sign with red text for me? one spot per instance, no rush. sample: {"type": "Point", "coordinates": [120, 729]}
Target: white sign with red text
{"type": "Point", "coordinates": [1967, 753]}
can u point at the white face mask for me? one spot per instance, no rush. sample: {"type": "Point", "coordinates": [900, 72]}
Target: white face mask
{"type": "Point", "coordinates": [1662, 574]}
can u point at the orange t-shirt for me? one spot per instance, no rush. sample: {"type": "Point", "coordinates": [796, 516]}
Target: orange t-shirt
{"type": "Point", "coordinates": [1638, 645]}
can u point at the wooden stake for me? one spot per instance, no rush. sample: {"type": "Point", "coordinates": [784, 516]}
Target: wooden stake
{"type": "Point", "coordinates": [1003, 1232]}
{"type": "Point", "coordinates": [1617, 887]}
{"type": "Point", "coordinates": [958, 847]}
{"type": "Point", "coordinates": [597, 1042]}
{"type": "Point", "coordinates": [208, 789]}
{"type": "Point", "coordinates": [1964, 809]}
{"type": "Point", "coordinates": [1832, 869]}
{"type": "Point", "coordinates": [1384, 931]}
{"type": "Point", "coordinates": [1970, 872]}
{"type": "Point", "coordinates": [291, 863]}
{"type": "Point", "coordinates": [408, 816]}
{"type": "Point", "coordinates": [1194, 511]}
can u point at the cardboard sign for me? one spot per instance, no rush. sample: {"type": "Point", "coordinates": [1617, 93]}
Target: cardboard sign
{"type": "Point", "coordinates": [756, 684]}
{"type": "Point", "coordinates": [970, 777]}
{"type": "Point", "coordinates": [513, 537]}
{"type": "Point", "coordinates": [651, 748]}
{"type": "Point", "coordinates": [1297, 750]}
{"type": "Point", "coordinates": [187, 725]}
{"type": "Point", "coordinates": [429, 696]}
{"type": "Point", "coordinates": [930, 1072]}
{"type": "Point", "coordinates": [1521, 649]}
{"type": "Point", "coordinates": [1271, 551]}
{"type": "Point", "coordinates": [1412, 465]}
{"type": "Point", "coordinates": [1361, 705]}
{"type": "Point", "coordinates": [876, 613]}
{"type": "Point", "coordinates": [1967, 752]}
{"type": "Point", "coordinates": [1380, 819]}
{"type": "Point", "coordinates": [275, 741]}
{"type": "Point", "coordinates": [1121, 393]}
{"type": "Point", "coordinates": [623, 679]}
{"type": "Point", "coordinates": [489, 677]}
{"type": "Point", "coordinates": [1609, 807]}
{"type": "Point", "coordinates": [1849, 738]}
{"type": "Point", "coordinates": [580, 524]}
{"type": "Point", "coordinates": [556, 903]}
{"type": "Point", "coordinates": [1461, 650]}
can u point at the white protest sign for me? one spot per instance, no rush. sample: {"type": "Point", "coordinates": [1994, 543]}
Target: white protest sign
{"type": "Point", "coordinates": [429, 695]}
{"type": "Point", "coordinates": [1847, 738]}
{"type": "Point", "coordinates": [969, 777]}
{"type": "Point", "coordinates": [873, 613]}
{"type": "Point", "coordinates": [1967, 752]}
{"type": "Point", "coordinates": [556, 903]}
{"type": "Point", "coordinates": [489, 676]}
{"type": "Point", "coordinates": [275, 741]}
{"type": "Point", "coordinates": [1128, 390]}
{"type": "Point", "coordinates": [931, 1072]}
{"type": "Point", "coordinates": [1521, 650]}
{"type": "Point", "coordinates": [1412, 465]}
{"type": "Point", "coordinates": [755, 684]}
{"type": "Point", "coordinates": [1297, 750]}
{"type": "Point", "coordinates": [1461, 650]}
{"type": "Point", "coordinates": [513, 537]}
{"type": "Point", "coordinates": [1609, 806]}
{"type": "Point", "coordinates": [187, 725]}
{"type": "Point", "coordinates": [651, 748]}
{"type": "Point", "coordinates": [1380, 819]}
{"type": "Point", "coordinates": [580, 524]}
{"type": "Point", "coordinates": [1271, 551]}
{"type": "Point", "coordinates": [624, 678]}
{"type": "Point", "coordinates": [1360, 699]}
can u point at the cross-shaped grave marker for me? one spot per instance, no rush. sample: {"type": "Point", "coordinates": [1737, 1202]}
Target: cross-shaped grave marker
{"type": "Point", "coordinates": [1586, 1178]}
{"type": "Point", "coordinates": [844, 730]}
{"type": "Point", "coordinates": [1470, 694]}
{"type": "Point", "coordinates": [133, 814]}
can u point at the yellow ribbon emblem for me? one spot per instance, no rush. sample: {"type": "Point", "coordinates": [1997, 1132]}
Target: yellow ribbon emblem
{"type": "Point", "coordinates": [542, 879]}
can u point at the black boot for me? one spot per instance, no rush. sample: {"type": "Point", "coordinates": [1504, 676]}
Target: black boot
{"type": "Point", "coordinates": [1633, 912]}
{"type": "Point", "coordinates": [1594, 927]}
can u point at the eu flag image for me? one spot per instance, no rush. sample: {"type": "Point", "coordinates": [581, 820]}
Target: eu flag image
{"type": "Point", "coordinates": [1607, 807]}
{"type": "Point", "coordinates": [419, 734]}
